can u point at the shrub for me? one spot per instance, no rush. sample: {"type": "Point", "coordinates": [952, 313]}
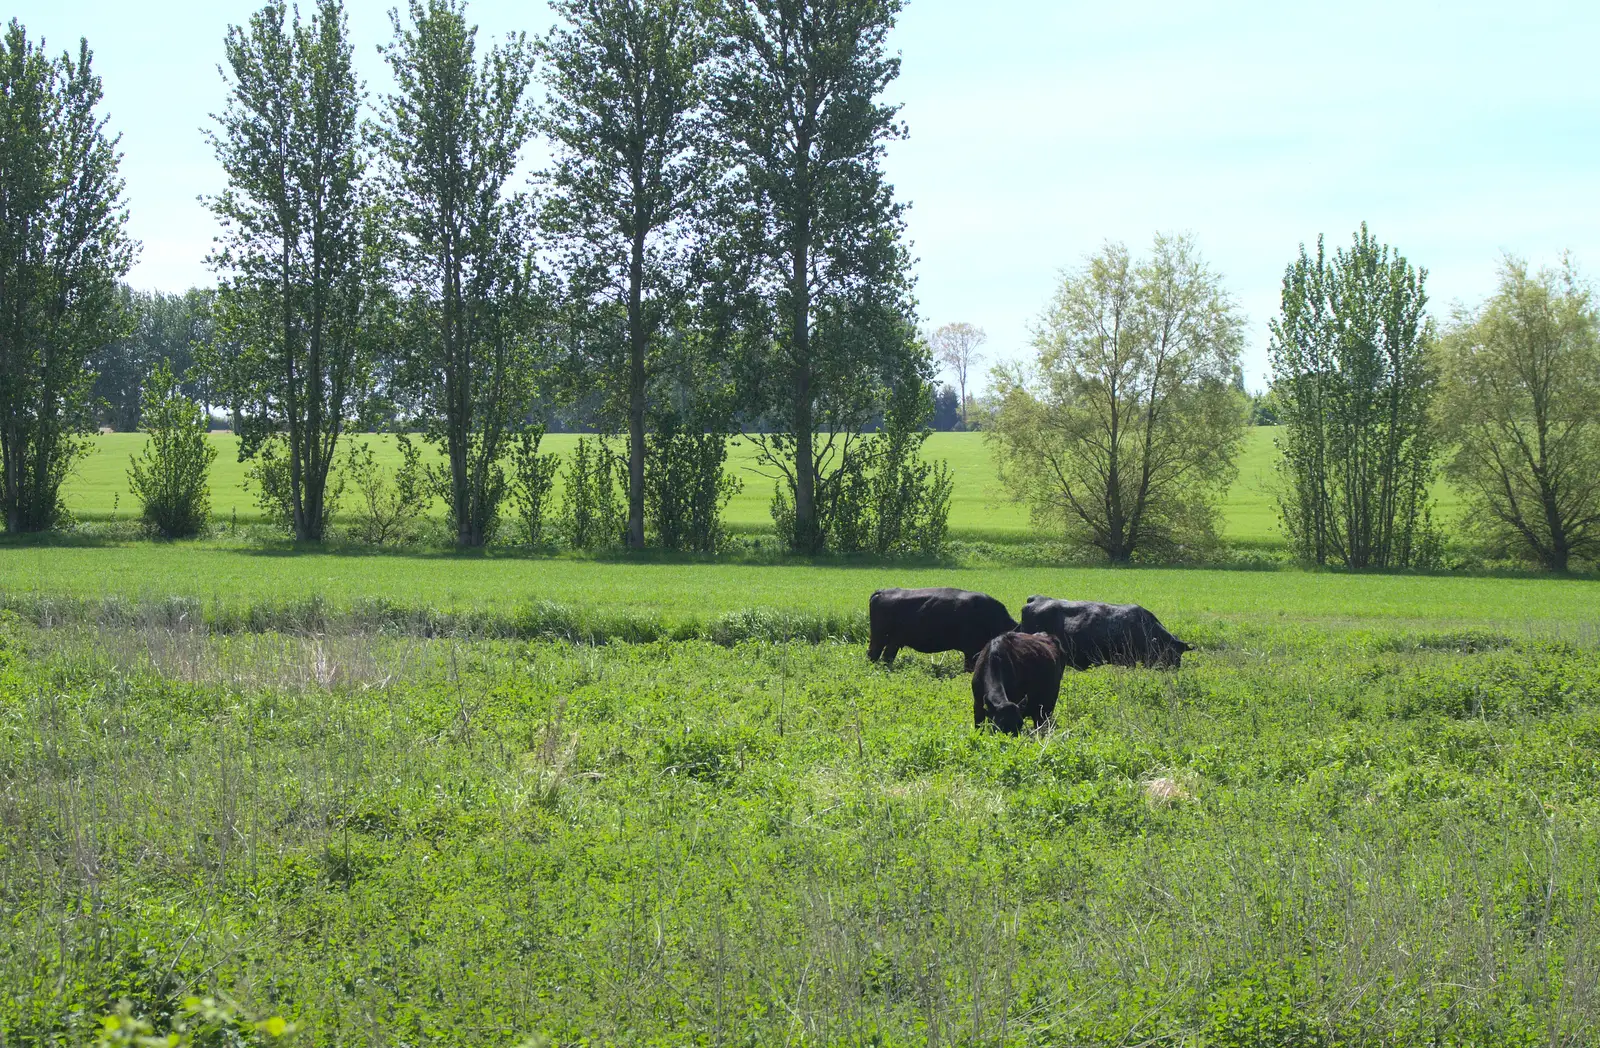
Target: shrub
{"type": "Point", "coordinates": [386, 511]}
{"type": "Point", "coordinates": [198, 1021]}
{"type": "Point", "coordinates": [910, 497]}
{"type": "Point", "coordinates": [593, 516]}
{"type": "Point", "coordinates": [686, 489]}
{"type": "Point", "coordinates": [170, 475]}
{"type": "Point", "coordinates": [533, 477]}
{"type": "Point", "coordinates": [269, 473]}
{"type": "Point", "coordinates": [885, 498]}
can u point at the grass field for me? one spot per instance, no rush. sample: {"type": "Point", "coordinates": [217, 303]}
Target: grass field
{"type": "Point", "coordinates": [1341, 823]}
{"type": "Point", "coordinates": [674, 593]}
{"type": "Point", "coordinates": [979, 507]}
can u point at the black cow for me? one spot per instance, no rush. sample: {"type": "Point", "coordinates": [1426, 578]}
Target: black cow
{"type": "Point", "coordinates": [1017, 675]}
{"type": "Point", "coordinates": [1095, 634]}
{"type": "Point", "coordinates": [930, 620]}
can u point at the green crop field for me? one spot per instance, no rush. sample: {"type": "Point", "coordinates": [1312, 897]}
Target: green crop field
{"type": "Point", "coordinates": [979, 508]}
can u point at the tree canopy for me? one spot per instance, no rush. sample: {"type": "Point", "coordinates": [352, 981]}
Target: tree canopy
{"type": "Point", "coordinates": [1354, 382]}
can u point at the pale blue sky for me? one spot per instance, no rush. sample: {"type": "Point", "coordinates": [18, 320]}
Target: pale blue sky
{"type": "Point", "coordinates": [1039, 130]}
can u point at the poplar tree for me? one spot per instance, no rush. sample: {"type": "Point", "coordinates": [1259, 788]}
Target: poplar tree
{"type": "Point", "coordinates": [452, 135]}
{"type": "Point", "coordinates": [300, 300]}
{"type": "Point", "coordinates": [1353, 376]}
{"type": "Point", "coordinates": [63, 248]}
{"type": "Point", "coordinates": [626, 83]}
{"type": "Point", "coordinates": [813, 235]}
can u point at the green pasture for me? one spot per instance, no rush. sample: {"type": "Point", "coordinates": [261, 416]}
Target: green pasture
{"type": "Point", "coordinates": [1322, 831]}
{"type": "Point", "coordinates": [979, 508]}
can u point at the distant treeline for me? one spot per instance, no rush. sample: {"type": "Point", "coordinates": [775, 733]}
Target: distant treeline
{"type": "Point", "coordinates": [165, 327]}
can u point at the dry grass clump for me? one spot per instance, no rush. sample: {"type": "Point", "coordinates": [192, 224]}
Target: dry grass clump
{"type": "Point", "coordinates": [1167, 787]}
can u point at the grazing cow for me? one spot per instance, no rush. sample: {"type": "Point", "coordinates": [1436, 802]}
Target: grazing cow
{"type": "Point", "coordinates": [930, 620]}
{"type": "Point", "coordinates": [1017, 675]}
{"type": "Point", "coordinates": [1095, 634]}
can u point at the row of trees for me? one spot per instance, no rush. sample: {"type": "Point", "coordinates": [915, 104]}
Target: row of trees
{"type": "Point", "coordinates": [1374, 402]}
{"type": "Point", "coordinates": [712, 248]}
{"type": "Point", "coordinates": [1125, 428]}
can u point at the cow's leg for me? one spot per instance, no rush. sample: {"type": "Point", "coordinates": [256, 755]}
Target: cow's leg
{"type": "Point", "coordinates": [1047, 700]}
{"type": "Point", "coordinates": [969, 659]}
{"type": "Point", "coordinates": [874, 649]}
{"type": "Point", "coordinates": [889, 652]}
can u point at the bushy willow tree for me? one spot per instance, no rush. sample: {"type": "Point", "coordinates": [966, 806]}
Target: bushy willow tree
{"type": "Point", "coordinates": [1354, 381]}
{"type": "Point", "coordinates": [627, 87]}
{"type": "Point", "coordinates": [812, 266]}
{"type": "Point", "coordinates": [300, 309]}
{"type": "Point", "coordinates": [452, 134]}
{"type": "Point", "coordinates": [1124, 430]}
{"type": "Point", "coordinates": [1521, 408]}
{"type": "Point", "coordinates": [63, 248]}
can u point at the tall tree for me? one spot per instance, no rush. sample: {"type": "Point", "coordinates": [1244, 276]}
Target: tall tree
{"type": "Point", "coordinates": [1125, 429]}
{"type": "Point", "coordinates": [1521, 406]}
{"type": "Point", "coordinates": [300, 300]}
{"type": "Point", "coordinates": [1354, 380]}
{"type": "Point", "coordinates": [820, 270]}
{"type": "Point", "coordinates": [957, 346]}
{"type": "Point", "coordinates": [626, 83]}
{"type": "Point", "coordinates": [452, 134]}
{"type": "Point", "coordinates": [63, 248]}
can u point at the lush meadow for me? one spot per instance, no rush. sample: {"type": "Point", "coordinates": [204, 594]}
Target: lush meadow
{"type": "Point", "coordinates": [1337, 824]}
{"type": "Point", "coordinates": [473, 799]}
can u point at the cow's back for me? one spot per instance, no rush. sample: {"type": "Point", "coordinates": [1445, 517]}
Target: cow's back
{"type": "Point", "coordinates": [938, 618]}
{"type": "Point", "coordinates": [1093, 633]}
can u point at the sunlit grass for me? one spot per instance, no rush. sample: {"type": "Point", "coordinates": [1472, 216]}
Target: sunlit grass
{"type": "Point", "coordinates": [979, 508]}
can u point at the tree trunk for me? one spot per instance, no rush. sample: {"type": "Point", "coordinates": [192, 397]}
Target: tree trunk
{"type": "Point", "coordinates": [315, 472]}
{"type": "Point", "coordinates": [13, 473]}
{"type": "Point", "coordinates": [1560, 550]}
{"type": "Point", "coordinates": [458, 421]}
{"type": "Point", "coordinates": [806, 533]}
{"type": "Point", "coordinates": [636, 390]}
{"type": "Point", "coordinates": [297, 500]}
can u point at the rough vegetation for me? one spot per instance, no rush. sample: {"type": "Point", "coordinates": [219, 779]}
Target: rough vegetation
{"type": "Point", "coordinates": [1309, 835]}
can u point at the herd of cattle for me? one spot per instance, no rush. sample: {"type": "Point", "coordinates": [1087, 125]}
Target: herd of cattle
{"type": "Point", "coordinates": [1016, 667]}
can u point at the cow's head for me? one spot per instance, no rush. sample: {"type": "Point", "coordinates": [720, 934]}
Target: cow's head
{"type": "Point", "coordinates": [1038, 617]}
{"type": "Point", "coordinates": [1168, 656]}
{"type": "Point", "coordinates": [1007, 718]}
